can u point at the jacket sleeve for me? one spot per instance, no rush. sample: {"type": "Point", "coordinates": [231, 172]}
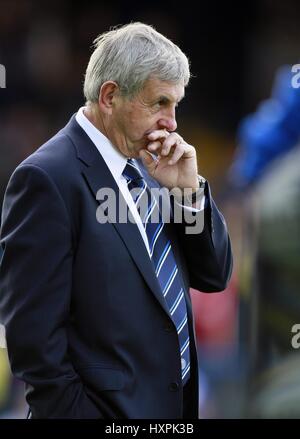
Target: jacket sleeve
{"type": "Point", "coordinates": [35, 295]}
{"type": "Point", "coordinates": [206, 247]}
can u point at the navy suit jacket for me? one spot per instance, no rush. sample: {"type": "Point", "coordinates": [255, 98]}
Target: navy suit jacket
{"type": "Point", "coordinates": [87, 329]}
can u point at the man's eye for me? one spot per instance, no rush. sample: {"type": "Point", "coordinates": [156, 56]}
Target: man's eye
{"type": "Point", "coordinates": [162, 102]}
{"type": "Point", "coordinates": [157, 105]}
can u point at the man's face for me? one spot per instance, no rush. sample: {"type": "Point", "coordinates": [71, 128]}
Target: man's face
{"type": "Point", "coordinates": [152, 109]}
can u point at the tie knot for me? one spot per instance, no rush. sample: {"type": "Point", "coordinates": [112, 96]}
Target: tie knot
{"type": "Point", "coordinates": [131, 171]}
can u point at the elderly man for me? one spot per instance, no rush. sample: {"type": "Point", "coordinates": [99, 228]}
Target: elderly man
{"type": "Point", "coordinates": [97, 313]}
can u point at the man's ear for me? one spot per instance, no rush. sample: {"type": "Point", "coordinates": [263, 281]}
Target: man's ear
{"type": "Point", "coordinates": [108, 92]}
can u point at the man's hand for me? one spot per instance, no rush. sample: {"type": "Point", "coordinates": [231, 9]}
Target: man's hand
{"type": "Point", "coordinates": [176, 161]}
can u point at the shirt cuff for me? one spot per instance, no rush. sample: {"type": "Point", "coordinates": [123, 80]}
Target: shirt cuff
{"type": "Point", "coordinates": [193, 202]}
{"type": "Point", "coordinates": [196, 207]}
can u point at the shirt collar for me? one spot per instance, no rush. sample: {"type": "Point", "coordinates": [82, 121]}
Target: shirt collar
{"type": "Point", "coordinates": [114, 159]}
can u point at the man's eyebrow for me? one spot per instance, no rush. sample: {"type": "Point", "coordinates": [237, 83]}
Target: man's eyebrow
{"type": "Point", "coordinates": [166, 99]}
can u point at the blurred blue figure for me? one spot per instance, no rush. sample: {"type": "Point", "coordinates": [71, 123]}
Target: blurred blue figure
{"type": "Point", "coordinates": [268, 161]}
{"type": "Point", "coordinates": [271, 131]}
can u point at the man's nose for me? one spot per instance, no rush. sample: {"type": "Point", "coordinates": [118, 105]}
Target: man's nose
{"type": "Point", "coordinates": [168, 121]}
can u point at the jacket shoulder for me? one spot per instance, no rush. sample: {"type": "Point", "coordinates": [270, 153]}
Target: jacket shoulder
{"type": "Point", "coordinates": [55, 157]}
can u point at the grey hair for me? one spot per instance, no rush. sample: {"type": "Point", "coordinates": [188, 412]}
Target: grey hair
{"type": "Point", "coordinates": [130, 55]}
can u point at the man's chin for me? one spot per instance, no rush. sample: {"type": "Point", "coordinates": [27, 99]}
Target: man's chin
{"type": "Point", "coordinates": [135, 153]}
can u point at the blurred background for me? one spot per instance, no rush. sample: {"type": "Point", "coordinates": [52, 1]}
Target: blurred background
{"type": "Point", "coordinates": [242, 114]}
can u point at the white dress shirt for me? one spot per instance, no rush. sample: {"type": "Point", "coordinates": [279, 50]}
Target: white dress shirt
{"type": "Point", "coordinates": [116, 163]}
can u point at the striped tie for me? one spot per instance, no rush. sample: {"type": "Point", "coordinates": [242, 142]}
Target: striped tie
{"type": "Point", "coordinates": [163, 259]}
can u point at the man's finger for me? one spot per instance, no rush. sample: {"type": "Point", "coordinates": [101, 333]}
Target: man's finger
{"type": "Point", "coordinates": [177, 154]}
{"type": "Point", "coordinates": [158, 134]}
{"type": "Point", "coordinates": [154, 146]}
{"type": "Point", "coordinates": [171, 141]}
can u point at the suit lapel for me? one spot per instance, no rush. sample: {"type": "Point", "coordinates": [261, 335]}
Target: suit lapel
{"type": "Point", "coordinates": [98, 176]}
